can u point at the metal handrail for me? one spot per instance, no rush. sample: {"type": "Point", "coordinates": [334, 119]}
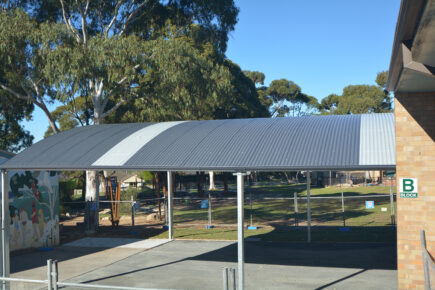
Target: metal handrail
{"type": "Point", "coordinates": [52, 283]}
{"type": "Point", "coordinates": [427, 261]}
{"type": "Point", "coordinates": [81, 285]}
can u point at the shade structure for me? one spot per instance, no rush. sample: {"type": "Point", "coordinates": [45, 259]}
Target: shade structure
{"type": "Point", "coordinates": [334, 142]}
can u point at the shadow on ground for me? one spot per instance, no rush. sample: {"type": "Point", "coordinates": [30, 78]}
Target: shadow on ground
{"type": "Point", "coordinates": [342, 255]}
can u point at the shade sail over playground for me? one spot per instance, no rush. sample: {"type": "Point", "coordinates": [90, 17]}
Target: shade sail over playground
{"type": "Point", "coordinates": [336, 142]}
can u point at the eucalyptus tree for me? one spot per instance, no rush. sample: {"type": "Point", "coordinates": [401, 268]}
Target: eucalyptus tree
{"type": "Point", "coordinates": [96, 49]}
{"type": "Point", "coordinates": [13, 137]}
{"type": "Point", "coordinates": [360, 99]}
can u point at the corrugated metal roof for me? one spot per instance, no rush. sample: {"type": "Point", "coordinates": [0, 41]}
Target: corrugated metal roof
{"type": "Point", "coordinates": [346, 142]}
{"type": "Point", "coordinates": [377, 144]}
{"type": "Point", "coordinates": [6, 154]}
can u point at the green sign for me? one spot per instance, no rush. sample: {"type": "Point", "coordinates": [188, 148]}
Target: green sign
{"type": "Point", "coordinates": [408, 187]}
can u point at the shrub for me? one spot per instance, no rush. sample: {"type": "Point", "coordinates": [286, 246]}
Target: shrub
{"type": "Point", "coordinates": [125, 208]}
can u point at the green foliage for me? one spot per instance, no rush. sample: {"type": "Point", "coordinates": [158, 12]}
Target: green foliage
{"type": "Point", "coordinates": [94, 56]}
{"type": "Point", "coordinates": [256, 77]}
{"type": "Point", "coordinates": [184, 82]}
{"type": "Point", "coordinates": [360, 99]}
{"type": "Point", "coordinates": [12, 111]}
{"type": "Point", "coordinates": [66, 190]}
{"type": "Point", "coordinates": [125, 207]}
{"type": "Point", "coordinates": [285, 98]}
{"type": "Point", "coordinates": [147, 176]}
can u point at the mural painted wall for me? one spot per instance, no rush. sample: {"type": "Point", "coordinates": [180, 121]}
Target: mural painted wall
{"type": "Point", "coordinates": [33, 209]}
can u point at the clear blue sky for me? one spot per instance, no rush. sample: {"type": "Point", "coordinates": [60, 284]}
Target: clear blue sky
{"type": "Point", "coordinates": [321, 45]}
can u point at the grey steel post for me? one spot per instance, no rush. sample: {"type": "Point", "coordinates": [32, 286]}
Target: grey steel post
{"type": "Point", "coordinates": [170, 195]}
{"type": "Point", "coordinates": [233, 278]}
{"type": "Point", "coordinates": [209, 209]}
{"type": "Point", "coordinates": [55, 274]}
{"type": "Point", "coordinates": [308, 207]}
{"type": "Point", "coordinates": [424, 256]}
{"type": "Point", "coordinates": [250, 211]}
{"type": "Point", "coordinates": [240, 231]}
{"type": "Point", "coordinates": [4, 228]}
{"type": "Point", "coordinates": [225, 278]}
{"type": "Point", "coordinates": [393, 216]}
{"type": "Point", "coordinates": [166, 210]}
{"type": "Point", "coordinates": [295, 197]}
{"type": "Point", "coordinates": [330, 178]}
{"type": "Point", "coordinates": [132, 212]}
{"type": "Point", "coordinates": [342, 209]}
{"type": "Point", "coordinates": [49, 277]}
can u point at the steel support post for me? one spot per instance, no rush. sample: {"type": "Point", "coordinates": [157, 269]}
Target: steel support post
{"type": "Point", "coordinates": [55, 275]}
{"type": "Point", "coordinates": [308, 207]}
{"type": "Point", "coordinates": [225, 278]}
{"type": "Point", "coordinates": [393, 215]}
{"type": "Point", "coordinates": [240, 231]}
{"type": "Point", "coordinates": [49, 276]}
{"type": "Point", "coordinates": [170, 200]}
{"type": "Point", "coordinates": [209, 209]}
{"type": "Point", "coordinates": [5, 266]}
{"type": "Point", "coordinates": [295, 197]}
{"type": "Point", "coordinates": [132, 212]}
{"type": "Point", "coordinates": [342, 209]}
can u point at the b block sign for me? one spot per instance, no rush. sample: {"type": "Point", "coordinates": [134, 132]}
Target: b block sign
{"type": "Point", "coordinates": [408, 187]}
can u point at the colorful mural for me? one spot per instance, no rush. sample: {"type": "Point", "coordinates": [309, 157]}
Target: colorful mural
{"type": "Point", "coordinates": [34, 209]}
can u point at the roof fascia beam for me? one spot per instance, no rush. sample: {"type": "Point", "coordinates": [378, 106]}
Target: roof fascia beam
{"type": "Point", "coordinates": [409, 63]}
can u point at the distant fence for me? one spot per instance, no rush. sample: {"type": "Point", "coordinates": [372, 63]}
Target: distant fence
{"type": "Point", "coordinates": [342, 210]}
{"type": "Point", "coordinates": [339, 209]}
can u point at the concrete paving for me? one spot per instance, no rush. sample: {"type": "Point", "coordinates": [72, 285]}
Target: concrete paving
{"type": "Point", "coordinates": [198, 265]}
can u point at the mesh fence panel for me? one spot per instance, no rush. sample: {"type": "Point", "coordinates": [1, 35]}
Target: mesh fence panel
{"type": "Point", "coordinates": [325, 211]}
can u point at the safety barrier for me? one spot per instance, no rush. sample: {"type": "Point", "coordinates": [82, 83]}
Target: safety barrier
{"type": "Point", "coordinates": [53, 282]}
{"type": "Point", "coordinates": [229, 278]}
{"type": "Point", "coordinates": [428, 263]}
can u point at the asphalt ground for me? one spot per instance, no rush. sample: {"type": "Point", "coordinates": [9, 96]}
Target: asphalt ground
{"type": "Point", "coordinates": [183, 264]}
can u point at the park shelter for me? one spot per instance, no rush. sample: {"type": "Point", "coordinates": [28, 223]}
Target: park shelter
{"type": "Point", "coordinates": [412, 79]}
{"type": "Point", "coordinates": [309, 143]}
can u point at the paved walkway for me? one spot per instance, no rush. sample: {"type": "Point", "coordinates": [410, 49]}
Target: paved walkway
{"type": "Point", "coordinates": [198, 264]}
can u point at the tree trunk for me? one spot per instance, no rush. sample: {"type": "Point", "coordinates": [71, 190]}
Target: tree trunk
{"type": "Point", "coordinates": [157, 185]}
{"type": "Point", "coordinates": [251, 177]}
{"type": "Point", "coordinates": [212, 185]}
{"type": "Point", "coordinates": [198, 182]}
{"type": "Point", "coordinates": [201, 182]}
{"type": "Point", "coordinates": [225, 182]}
{"type": "Point", "coordinates": [83, 185]}
{"type": "Point", "coordinates": [286, 176]}
{"type": "Point", "coordinates": [92, 196]}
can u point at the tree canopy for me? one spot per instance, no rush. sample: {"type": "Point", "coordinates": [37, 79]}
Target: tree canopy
{"type": "Point", "coordinates": [282, 97]}
{"type": "Point", "coordinates": [12, 111]}
{"type": "Point", "coordinates": [359, 99]}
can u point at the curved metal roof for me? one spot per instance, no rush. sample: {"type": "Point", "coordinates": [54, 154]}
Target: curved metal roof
{"type": "Point", "coordinates": [345, 142]}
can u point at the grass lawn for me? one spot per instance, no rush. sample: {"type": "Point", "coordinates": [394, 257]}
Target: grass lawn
{"type": "Point", "coordinates": [325, 212]}
{"type": "Point", "coordinates": [276, 218]}
{"type": "Point", "coordinates": [319, 234]}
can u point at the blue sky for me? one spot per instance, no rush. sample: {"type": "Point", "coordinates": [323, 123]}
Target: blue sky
{"type": "Point", "coordinates": [321, 45]}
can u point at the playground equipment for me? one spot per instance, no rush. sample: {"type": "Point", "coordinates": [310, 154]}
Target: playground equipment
{"type": "Point", "coordinates": [113, 189]}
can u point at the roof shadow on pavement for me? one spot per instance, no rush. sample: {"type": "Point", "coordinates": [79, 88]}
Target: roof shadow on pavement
{"type": "Point", "coordinates": [343, 255]}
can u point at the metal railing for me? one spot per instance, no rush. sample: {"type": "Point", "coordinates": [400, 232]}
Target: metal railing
{"type": "Point", "coordinates": [229, 278]}
{"type": "Point", "coordinates": [428, 263]}
{"type": "Point", "coordinates": [53, 282]}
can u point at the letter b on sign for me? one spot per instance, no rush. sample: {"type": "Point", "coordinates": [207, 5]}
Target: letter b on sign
{"type": "Point", "coordinates": [408, 187]}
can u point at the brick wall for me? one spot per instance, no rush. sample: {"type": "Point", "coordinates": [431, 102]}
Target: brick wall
{"type": "Point", "coordinates": [415, 158]}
